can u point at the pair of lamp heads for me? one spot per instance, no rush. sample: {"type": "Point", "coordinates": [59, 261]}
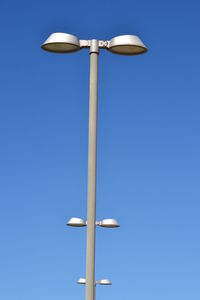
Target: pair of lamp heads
{"type": "Point", "coordinates": [107, 223]}
{"type": "Point", "coordinates": [101, 282]}
{"type": "Point", "coordinates": [65, 43]}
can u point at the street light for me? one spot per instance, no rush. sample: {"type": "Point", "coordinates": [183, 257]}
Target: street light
{"type": "Point", "coordinates": [107, 223]}
{"type": "Point", "coordinates": [81, 281]}
{"type": "Point", "coordinates": [104, 282]}
{"type": "Point", "coordinates": [101, 282]}
{"type": "Point", "coordinates": [60, 42]}
{"type": "Point", "coordinates": [127, 45]}
{"type": "Point", "coordinates": [65, 43]}
{"type": "Point", "coordinates": [76, 222]}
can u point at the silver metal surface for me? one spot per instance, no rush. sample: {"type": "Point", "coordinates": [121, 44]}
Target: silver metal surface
{"type": "Point", "coordinates": [84, 43]}
{"type": "Point", "coordinates": [88, 44]}
{"type": "Point", "coordinates": [61, 43]}
{"type": "Point", "coordinates": [126, 45]}
{"type": "Point", "coordinates": [101, 282]}
{"type": "Point", "coordinates": [92, 155]}
{"type": "Point", "coordinates": [76, 222]}
{"type": "Point", "coordinates": [81, 281]}
{"type": "Point", "coordinates": [108, 223]}
{"type": "Point", "coordinates": [104, 282]}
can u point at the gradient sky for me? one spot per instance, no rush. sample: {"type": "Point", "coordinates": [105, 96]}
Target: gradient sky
{"type": "Point", "coordinates": [148, 173]}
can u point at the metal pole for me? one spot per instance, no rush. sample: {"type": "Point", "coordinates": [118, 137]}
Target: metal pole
{"type": "Point", "coordinates": [92, 155]}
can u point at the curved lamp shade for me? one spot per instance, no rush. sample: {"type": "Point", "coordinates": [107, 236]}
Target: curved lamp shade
{"type": "Point", "coordinates": [108, 223]}
{"type": "Point", "coordinates": [76, 222]}
{"type": "Point", "coordinates": [127, 45]}
{"type": "Point", "coordinates": [104, 282]}
{"type": "Point", "coordinates": [61, 43]}
{"type": "Point", "coordinates": [81, 281]}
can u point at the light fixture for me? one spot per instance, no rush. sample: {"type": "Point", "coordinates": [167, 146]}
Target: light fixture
{"type": "Point", "coordinates": [127, 45]}
{"type": "Point", "coordinates": [101, 282]}
{"type": "Point", "coordinates": [61, 43]}
{"type": "Point", "coordinates": [81, 281]}
{"type": "Point", "coordinates": [76, 222]}
{"type": "Point", "coordinates": [104, 282]}
{"type": "Point", "coordinates": [108, 223]}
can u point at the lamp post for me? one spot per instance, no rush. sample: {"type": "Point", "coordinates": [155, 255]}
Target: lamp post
{"type": "Point", "coordinates": [125, 45]}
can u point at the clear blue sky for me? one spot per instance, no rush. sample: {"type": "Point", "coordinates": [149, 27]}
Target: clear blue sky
{"type": "Point", "coordinates": [148, 174]}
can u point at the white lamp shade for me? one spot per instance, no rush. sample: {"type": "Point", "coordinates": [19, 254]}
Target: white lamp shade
{"type": "Point", "coordinates": [60, 42]}
{"type": "Point", "coordinates": [76, 222]}
{"type": "Point", "coordinates": [108, 223]}
{"type": "Point", "coordinates": [81, 281]}
{"type": "Point", "coordinates": [127, 45]}
{"type": "Point", "coordinates": [104, 282]}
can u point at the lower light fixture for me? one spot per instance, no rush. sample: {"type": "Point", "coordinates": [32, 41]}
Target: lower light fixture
{"type": "Point", "coordinates": [81, 281]}
{"type": "Point", "coordinates": [101, 282]}
{"type": "Point", "coordinates": [76, 222]}
{"type": "Point", "coordinates": [107, 223]}
{"type": "Point", "coordinates": [104, 282]}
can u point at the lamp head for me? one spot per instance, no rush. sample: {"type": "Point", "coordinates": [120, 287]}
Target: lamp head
{"type": "Point", "coordinates": [60, 42]}
{"type": "Point", "coordinates": [101, 282]}
{"type": "Point", "coordinates": [81, 281]}
{"type": "Point", "coordinates": [76, 222]}
{"type": "Point", "coordinates": [108, 223]}
{"type": "Point", "coordinates": [127, 45]}
{"type": "Point", "coordinates": [104, 282]}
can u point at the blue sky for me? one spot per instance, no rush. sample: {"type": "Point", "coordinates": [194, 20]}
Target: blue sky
{"type": "Point", "coordinates": [148, 151]}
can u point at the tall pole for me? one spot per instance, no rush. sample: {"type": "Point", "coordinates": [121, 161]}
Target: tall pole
{"type": "Point", "coordinates": [92, 157]}
{"type": "Point", "coordinates": [61, 42]}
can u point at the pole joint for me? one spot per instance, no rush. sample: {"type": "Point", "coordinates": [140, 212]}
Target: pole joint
{"type": "Point", "coordinates": [94, 46]}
